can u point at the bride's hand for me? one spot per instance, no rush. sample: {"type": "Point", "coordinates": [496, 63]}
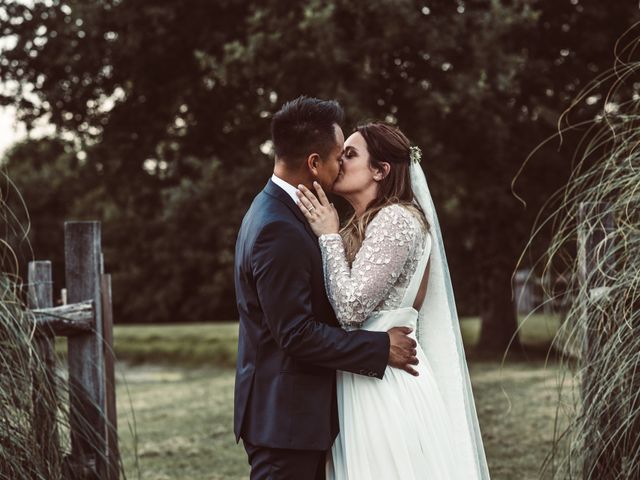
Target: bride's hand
{"type": "Point", "coordinates": [319, 212]}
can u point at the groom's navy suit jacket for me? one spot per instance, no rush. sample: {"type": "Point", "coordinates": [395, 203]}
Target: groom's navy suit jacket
{"type": "Point", "coordinates": [290, 343]}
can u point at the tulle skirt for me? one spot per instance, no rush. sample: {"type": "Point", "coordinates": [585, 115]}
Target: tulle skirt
{"type": "Point", "coordinates": [394, 428]}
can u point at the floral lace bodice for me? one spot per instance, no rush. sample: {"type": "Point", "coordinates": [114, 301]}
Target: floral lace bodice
{"type": "Point", "coordinates": [380, 272]}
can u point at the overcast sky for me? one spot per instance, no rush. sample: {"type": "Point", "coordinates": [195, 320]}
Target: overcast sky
{"type": "Point", "coordinates": [8, 132]}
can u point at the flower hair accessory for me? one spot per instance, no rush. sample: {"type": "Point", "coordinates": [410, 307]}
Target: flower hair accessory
{"type": "Point", "coordinates": [415, 154]}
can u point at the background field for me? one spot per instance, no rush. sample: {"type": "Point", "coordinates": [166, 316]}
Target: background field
{"type": "Point", "coordinates": [214, 344]}
{"type": "Point", "coordinates": [177, 383]}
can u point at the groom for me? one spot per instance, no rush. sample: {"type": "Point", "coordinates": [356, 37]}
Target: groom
{"type": "Point", "coordinates": [290, 344]}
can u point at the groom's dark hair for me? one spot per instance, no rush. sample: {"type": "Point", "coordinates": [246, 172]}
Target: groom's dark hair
{"type": "Point", "coordinates": [304, 126]}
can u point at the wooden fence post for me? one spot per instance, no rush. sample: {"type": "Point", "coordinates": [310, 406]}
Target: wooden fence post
{"type": "Point", "coordinates": [110, 381]}
{"type": "Point", "coordinates": [40, 295]}
{"type": "Point", "coordinates": [595, 259]}
{"type": "Point", "coordinates": [525, 292]}
{"type": "Point", "coordinates": [86, 353]}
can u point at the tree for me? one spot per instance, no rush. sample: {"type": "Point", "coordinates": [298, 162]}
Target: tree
{"type": "Point", "coordinates": [171, 104]}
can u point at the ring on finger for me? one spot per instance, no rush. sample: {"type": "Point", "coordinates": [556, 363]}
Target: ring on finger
{"type": "Point", "coordinates": [311, 209]}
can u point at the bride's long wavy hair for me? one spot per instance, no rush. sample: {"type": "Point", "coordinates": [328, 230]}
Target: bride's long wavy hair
{"type": "Point", "coordinates": [385, 143]}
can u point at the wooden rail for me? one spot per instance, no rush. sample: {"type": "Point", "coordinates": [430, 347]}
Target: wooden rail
{"type": "Point", "coordinates": [66, 320]}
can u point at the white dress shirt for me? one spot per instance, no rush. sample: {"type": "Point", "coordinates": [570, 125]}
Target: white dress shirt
{"type": "Point", "coordinates": [287, 187]}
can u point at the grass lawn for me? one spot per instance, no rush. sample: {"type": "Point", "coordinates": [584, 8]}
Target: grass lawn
{"type": "Point", "coordinates": [184, 420]}
{"type": "Point", "coordinates": [183, 402]}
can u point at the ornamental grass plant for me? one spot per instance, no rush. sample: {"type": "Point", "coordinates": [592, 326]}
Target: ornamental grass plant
{"type": "Point", "coordinates": [600, 335]}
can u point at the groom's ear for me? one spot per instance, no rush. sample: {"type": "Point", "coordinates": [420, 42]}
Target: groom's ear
{"type": "Point", "coordinates": [313, 161]}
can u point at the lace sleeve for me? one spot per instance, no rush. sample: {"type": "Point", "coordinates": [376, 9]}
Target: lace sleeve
{"type": "Point", "coordinates": [355, 291]}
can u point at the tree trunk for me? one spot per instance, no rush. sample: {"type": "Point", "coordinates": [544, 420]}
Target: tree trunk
{"type": "Point", "coordinates": [499, 322]}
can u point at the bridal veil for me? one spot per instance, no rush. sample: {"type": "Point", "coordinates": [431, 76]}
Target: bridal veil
{"type": "Point", "coordinates": [440, 338]}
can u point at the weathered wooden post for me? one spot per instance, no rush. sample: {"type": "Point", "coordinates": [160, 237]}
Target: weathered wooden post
{"type": "Point", "coordinates": [526, 300]}
{"type": "Point", "coordinates": [40, 295]}
{"type": "Point", "coordinates": [595, 259]}
{"type": "Point", "coordinates": [86, 352]}
{"type": "Point", "coordinates": [547, 293]}
{"type": "Point", "coordinates": [87, 322]}
{"type": "Point", "coordinates": [113, 451]}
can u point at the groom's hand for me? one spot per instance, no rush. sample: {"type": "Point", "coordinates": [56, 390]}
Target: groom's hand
{"type": "Point", "coordinates": [402, 349]}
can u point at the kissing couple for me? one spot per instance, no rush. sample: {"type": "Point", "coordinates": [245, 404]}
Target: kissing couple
{"type": "Point", "coordinates": [350, 360]}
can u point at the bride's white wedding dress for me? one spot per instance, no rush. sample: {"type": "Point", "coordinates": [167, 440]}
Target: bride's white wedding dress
{"type": "Point", "coordinates": [400, 427]}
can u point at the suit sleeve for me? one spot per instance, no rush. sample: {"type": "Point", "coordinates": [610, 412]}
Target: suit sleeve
{"type": "Point", "coordinates": [282, 272]}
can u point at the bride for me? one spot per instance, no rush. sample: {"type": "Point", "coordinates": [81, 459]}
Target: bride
{"type": "Point", "coordinates": [385, 268]}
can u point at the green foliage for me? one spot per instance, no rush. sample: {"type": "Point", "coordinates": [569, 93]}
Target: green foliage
{"type": "Point", "coordinates": [171, 101]}
{"type": "Point", "coordinates": [50, 180]}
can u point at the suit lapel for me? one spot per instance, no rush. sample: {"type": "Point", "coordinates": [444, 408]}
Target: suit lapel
{"type": "Point", "coordinates": [275, 191]}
